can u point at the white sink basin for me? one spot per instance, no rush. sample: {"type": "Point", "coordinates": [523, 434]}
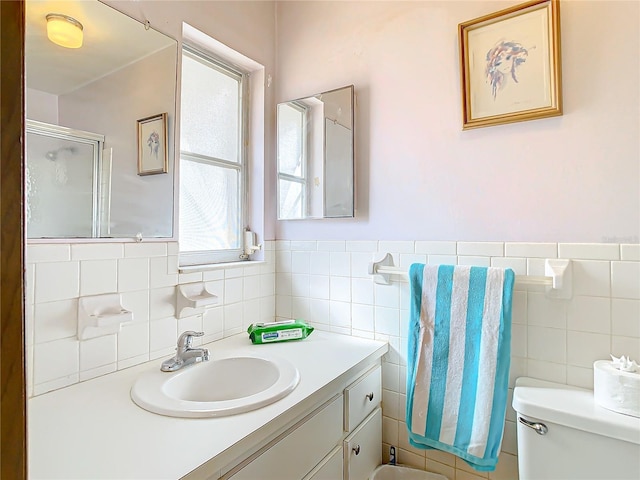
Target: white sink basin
{"type": "Point", "coordinates": [216, 388]}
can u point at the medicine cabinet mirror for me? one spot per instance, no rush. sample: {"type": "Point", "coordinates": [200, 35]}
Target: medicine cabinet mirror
{"type": "Point", "coordinates": [82, 109]}
{"type": "Point", "coordinates": [316, 156]}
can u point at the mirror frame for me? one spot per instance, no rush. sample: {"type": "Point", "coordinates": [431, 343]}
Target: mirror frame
{"type": "Point", "coordinates": [13, 447]}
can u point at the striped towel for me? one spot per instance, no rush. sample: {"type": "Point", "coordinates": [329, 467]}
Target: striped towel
{"type": "Point", "coordinates": [458, 360]}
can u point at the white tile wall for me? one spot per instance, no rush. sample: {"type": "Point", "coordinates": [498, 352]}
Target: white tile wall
{"type": "Point", "coordinates": [555, 340]}
{"type": "Point", "coordinates": [98, 276]}
{"type": "Point", "coordinates": [146, 275]}
{"type": "Point", "coordinates": [57, 281]}
{"type": "Point", "coordinates": [327, 283]}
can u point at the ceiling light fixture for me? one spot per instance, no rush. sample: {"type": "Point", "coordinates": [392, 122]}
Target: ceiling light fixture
{"type": "Point", "coordinates": [64, 30]}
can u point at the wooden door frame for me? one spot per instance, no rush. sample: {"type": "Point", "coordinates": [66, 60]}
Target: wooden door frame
{"type": "Point", "coordinates": [13, 438]}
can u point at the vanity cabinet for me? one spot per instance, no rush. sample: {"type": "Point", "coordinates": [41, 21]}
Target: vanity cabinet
{"type": "Point", "coordinates": [329, 468]}
{"type": "Point", "coordinates": [297, 451]}
{"type": "Point", "coordinates": [362, 397]}
{"type": "Point", "coordinates": [99, 416]}
{"type": "Point", "coordinates": [363, 448]}
{"type": "Point", "coordinates": [339, 439]}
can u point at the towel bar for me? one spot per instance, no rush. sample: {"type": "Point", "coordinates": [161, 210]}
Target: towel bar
{"type": "Point", "coordinates": [557, 281]}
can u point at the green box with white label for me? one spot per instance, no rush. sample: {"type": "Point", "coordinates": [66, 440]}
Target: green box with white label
{"type": "Point", "coordinates": [282, 331]}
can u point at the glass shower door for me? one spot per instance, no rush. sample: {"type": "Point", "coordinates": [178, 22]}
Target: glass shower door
{"type": "Point", "coordinates": [62, 184]}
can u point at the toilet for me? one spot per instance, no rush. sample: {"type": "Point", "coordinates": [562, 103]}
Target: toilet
{"type": "Point", "coordinates": [564, 435]}
{"type": "Point", "coordinates": [399, 472]}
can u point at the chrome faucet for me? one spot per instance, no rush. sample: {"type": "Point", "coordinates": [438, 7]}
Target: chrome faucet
{"type": "Point", "coordinates": [185, 355]}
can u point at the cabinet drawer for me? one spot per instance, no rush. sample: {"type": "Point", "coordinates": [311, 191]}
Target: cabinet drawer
{"type": "Point", "coordinates": [363, 448]}
{"type": "Point", "coordinates": [293, 456]}
{"type": "Point", "coordinates": [362, 397]}
{"type": "Point", "coordinates": [330, 468]}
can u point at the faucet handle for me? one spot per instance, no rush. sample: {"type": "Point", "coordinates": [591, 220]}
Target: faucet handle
{"type": "Point", "coordinates": [185, 339]}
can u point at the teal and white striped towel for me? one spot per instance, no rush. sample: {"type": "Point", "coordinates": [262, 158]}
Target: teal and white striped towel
{"type": "Point", "coordinates": [458, 360]}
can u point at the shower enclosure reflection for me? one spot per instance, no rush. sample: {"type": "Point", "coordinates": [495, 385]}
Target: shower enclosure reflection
{"type": "Point", "coordinates": [68, 182]}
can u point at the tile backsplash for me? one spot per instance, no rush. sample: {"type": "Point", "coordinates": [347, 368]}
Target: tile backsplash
{"type": "Point", "coordinates": [145, 275]}
{"type": "Point", "coordinates": [327, 283]}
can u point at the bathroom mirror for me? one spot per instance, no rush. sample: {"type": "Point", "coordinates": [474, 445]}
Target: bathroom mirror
{"type": "Point", "coordinates": [123, 72]}
{"type": "Point", "coordinates": [316, 156]}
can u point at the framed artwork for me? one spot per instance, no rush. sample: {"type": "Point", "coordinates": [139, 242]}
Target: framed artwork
{"type": "Point", "coordinates": [510, 65]}
{"type": "Point", "coordinates": [152, 145]}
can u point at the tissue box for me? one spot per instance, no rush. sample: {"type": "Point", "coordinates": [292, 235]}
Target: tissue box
{"type": "Point", "coordinates": [616, 390]}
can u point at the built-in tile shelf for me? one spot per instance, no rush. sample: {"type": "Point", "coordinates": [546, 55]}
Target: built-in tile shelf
{"type": "Point", "coordinates": [100, 315]}
{"type": "Point", "coordinates": [193, 298]}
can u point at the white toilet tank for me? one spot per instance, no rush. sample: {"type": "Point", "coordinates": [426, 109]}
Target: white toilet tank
{"type": "Point", "coordinates": [577, 439]}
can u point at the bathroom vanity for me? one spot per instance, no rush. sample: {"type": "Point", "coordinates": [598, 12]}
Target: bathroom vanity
{"type": "Point", "coordinates": [328, 427]}
{"type": "Point", "coordinates": [315, 448]}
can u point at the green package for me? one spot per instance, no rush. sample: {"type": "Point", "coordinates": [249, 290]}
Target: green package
{"type": "Point", "coordinates": [282, 331]}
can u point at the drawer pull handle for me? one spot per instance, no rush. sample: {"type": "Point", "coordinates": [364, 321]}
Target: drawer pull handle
{"type": "Point", "coordinates": [356, 449]}
{"type": "Point", "coordinates": [369, 396]}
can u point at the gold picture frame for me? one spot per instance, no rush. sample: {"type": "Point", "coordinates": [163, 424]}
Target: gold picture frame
{"type": "Point", "coordinates": [510, 65]}
{"type": "Point", "coordinates": [152, 145]}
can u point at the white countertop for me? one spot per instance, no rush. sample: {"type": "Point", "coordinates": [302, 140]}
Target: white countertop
{"type": "Point", "coordinates": [92, 430]}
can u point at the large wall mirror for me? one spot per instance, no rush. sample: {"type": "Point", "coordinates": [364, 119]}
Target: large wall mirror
{"type": "Point", "coordinates": [316, 156]}
{"type": "Point", "coordinates": [83, 107]}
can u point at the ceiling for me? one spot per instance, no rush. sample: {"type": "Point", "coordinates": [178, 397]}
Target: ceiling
{"type": "Point", "coordinates": [112, 40]}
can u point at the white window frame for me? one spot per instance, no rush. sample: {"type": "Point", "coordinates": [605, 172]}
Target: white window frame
{"type": "Point", "coordinates": [205, 257]}
{"type": "Point", "coordinates": [302, 179]}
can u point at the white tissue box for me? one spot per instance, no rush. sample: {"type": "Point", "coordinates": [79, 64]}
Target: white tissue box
{"type": "Point", "coordinates": [616, 390]}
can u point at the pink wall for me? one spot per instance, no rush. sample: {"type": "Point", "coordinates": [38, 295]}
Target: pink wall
{"type": "Point", "coordinates": [118, 100]}
{"type": "Point", "coordinates": [574, 178]}
{"type": "Point", "coordinates": [41, 106]}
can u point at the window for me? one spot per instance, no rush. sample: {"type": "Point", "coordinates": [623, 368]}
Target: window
{"type": "Point", "coordinates": [292, 164]}
{"type": "Point", "coordinates": [212, 160]}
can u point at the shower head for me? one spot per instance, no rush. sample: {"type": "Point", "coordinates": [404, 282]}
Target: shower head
{"type": "Point", "coordinates": [53, 154]}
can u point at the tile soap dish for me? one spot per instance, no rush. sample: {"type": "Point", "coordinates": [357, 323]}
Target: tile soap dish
{"type": "Point", "coordinates": [100, 315]}
{"type": "Point", "coordinates": [193, 298]}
